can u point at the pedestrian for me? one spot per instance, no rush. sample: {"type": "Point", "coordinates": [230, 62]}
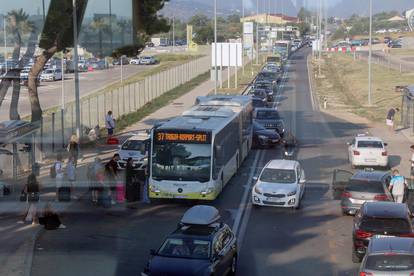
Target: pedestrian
{"type": "Point", "coordinates": [397, 186]}
{"type": "Point", "coordinates": [32, 189]}
{"type": "Point", "coordinates": [59, 173]}
{"type": "Point", "coordinates": [73, 149]}
{"type": "Point", "coordinates": [50, 219]}
{"type": "Point", "coordinates": [109, 123]}
{"type": "Point", "coordinates": [111, 172]}
{"type": "Point", "coordinates": [96, 175]}
{"type": "Point", "coordinates": [412, 162]}
{"type": "Point", "coordinates": [131, 189]}
{"type": "Point", "coordinates": [390, 118]}
{"type": "Point", "coordinates": [71, 175]}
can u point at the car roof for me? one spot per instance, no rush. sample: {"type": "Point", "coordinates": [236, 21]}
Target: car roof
{"type": "Point", "coordinates": [391, 244]}
{"type": "Point", "coordinates": [282, 164]}
{"type": "Point", "coordinates": [369, 175]}
{"type": "Point", "coordinates": [266, 109]}
{"type": "Point", "coordinates": [200, 215]}
{"type": "Point", "coordinates": [384, 209]}
{"type": "Point", "coordinates": [367, 138]}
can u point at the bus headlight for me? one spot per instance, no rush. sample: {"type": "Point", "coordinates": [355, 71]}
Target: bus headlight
{"type": "Point", "coordinates": [207, 191]}
{"type": "Point", "coordinates": [154, 189]}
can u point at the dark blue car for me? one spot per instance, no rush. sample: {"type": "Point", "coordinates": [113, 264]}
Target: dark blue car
{"type": "Point", "coordinates": [199, 246]}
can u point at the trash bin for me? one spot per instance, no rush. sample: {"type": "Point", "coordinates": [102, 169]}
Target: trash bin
{"type": "Point", "coordinates": [36, 169]}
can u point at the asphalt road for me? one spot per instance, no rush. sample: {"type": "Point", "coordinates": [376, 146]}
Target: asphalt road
{"type": "Point", "coordinates": [50, 92]}
{"type": "Point", "coordinates": [315, 240]}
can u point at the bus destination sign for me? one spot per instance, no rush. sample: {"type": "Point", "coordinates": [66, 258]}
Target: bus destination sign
{"type": "Point", "coordinates": [183, 137]}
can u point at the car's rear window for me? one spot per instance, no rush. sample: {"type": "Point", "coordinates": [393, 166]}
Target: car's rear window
{"type": "Point", "coordinates": [390, 262]}
{"type": "Point", "coordinates": [393, 225]}
{"type": "Point", "coordinates": [267, 115]}
{"type": "Point", "coordinates": [365, 186]}
{"type": "Point", "coordinates": [370, 144]}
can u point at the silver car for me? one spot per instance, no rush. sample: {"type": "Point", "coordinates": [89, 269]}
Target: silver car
{"type": "Point", "coordinates": [389, 256]}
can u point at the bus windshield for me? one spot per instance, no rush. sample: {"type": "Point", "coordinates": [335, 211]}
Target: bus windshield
{"type": "Point", "coordinates": [181, 161]}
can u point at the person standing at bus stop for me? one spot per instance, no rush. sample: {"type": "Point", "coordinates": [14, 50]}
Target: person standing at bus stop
{"type": "Point", "coordinates": [109, 123]}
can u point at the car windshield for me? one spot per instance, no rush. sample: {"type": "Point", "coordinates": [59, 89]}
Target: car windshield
{"type": "Point", "coordinates": [365, 186]}
{"type": "Point", "coordinates": [390, 262]}
{"type": "Point", "coordinates": [370, 144]}
{"type": "Point", "coordinates": [258, 126]}
{"type": "Point", "coordinates": [377, 224]}
{"type": "Point", "coordinates": [267, 114]}
{"type": "Point", "coordinates": [179, 161]}
{"type": "Point", "coordinates": [134, 145]}
{"type": "Point", "coordinates": [278, 176]}
{"type": "Point", "coordinates": [258, 103]}
{"type": "Point", "coordinates": [186, 248]}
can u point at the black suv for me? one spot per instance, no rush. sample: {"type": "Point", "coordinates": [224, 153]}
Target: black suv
{"type": "Point", "coordinates": [270, 119]}
{"type": "Point", "coordinates": [199, 246]}
{"type": "Point", "coordinates": [379, 219]}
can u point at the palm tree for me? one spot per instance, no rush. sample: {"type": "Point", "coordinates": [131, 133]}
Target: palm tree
{"type": "Point", "coordinates": [100, 25]}
{"type": "Point", "coordinates": [18, 24]}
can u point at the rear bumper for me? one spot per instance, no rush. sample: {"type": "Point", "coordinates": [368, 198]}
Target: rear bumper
{"type": "Point", "coordinates": [360, 161]}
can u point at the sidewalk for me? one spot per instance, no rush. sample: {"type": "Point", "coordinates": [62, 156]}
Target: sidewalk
{"type": "Point", "coordinates": [398, 143]}
{"type": "Point", "coordinates": [18, 240]}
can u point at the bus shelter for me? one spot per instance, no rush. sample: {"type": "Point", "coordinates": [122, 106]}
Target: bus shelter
{"type": "Point", "coordinates": [19, 136]}
{"type": "Point", "coordinates": [407, 107]}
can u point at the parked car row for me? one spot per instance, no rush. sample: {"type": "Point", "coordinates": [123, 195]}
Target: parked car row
{"type": "Point", "coordinates": [140, 60]}
{"type": "Point", "coordinates": [382, 232]}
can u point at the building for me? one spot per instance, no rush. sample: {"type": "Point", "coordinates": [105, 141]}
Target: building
{"type": "Point", "coordinates": [396, 18]}
{"type": "Point", "coordinates": [273, 18]}
{"type": "Point", "coordinates": [409, 15]}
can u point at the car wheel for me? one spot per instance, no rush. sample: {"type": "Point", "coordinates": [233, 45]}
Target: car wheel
{"type": "Point", "coordinates": [355, 257]}
{"type": "Point", "coordinates": [297, 207]}
{"type": "Point", "coordinates": [233, 266]}
{"type": "Point", "coordinates": [345, 213]}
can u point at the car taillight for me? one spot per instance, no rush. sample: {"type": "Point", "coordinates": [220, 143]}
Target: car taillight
{"type": "Point", "coordinates": [384, 153]}
{"type": "Point", "coordinates": [407, 235]}
{"type": "Point", "coordinates": [346, 194]}
{"type": "Point", "coordinates": [381, 197]}
{"type": "Point", "coordinates": [362, 273]}
{"type": "Point", "coordinates": [412, 274]}
{"type": "Point", "coordinates": [355, 152]}
{"type": "Point", "coordinates": [362, 234]}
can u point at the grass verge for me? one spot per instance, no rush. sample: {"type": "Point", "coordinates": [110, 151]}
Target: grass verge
{"type": "Point", "coordinates": [344, 82]}
{"type": "Point", "coordinates": [161, 101]}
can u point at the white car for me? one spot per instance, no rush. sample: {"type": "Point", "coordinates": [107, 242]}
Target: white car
{"type": "Point", "coordinates": [135, 61]}
{"type": "Point", "coordinates": [135, 147]}
{"type": "Point", "coordinates": [51, 75]}
{"type": "Point", "coordinates": [367, 151]}
{"type": "Point", "coordinates": [281, 183]}
{"type": "Point", "coordinates": [148, 60]}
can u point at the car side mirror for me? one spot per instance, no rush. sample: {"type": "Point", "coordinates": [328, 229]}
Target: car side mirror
{"type": "Point", "coordinates": [255, 178]}
{"type": "Point", "coordinates": [348, 143]}
{"type": "Point", "coordinates": [302, 181]}
{"type": "Point", "coordinates": [385, 144]}
{"type": "Point", "coordinates": [153, 252]}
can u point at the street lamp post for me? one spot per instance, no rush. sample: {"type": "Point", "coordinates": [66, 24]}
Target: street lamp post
{"type": "Point", "coordinates": [110, 25]}
{"type": "Point", "coordinates": [5, 42]}
{"type": "Point", "coordinates": [257, 31]}
{"type": "Point", "coordinates": [215, 48]}
{"type": "Point", "coordinates": [370, 53]}
{"type": "Point", "coordinates": [173, 33]}
{"type": "Point", "coordinates": [76, 71]}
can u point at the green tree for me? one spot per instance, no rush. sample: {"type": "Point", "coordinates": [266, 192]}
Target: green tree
{"type": "Point", "coordinates": [101, 26]}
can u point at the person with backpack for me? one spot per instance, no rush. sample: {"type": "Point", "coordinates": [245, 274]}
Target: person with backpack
{"type": "Point", "coordinates": [57, 172]}
{"type": "Point", "coordinates": [71, 175]}
{"type": "Point", "coordinates": [111, 173]}
{"type": "Point", "coordinates": [109, 123]}
{"type": "Point", "coordinates": [397, 186]}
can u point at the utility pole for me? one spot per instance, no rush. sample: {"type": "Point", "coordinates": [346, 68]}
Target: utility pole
{"type": "Point", "coordinates": [110, 25]}
{"type": "Point", "coordinates": [370, 54]}
{"type": "Point", "coordinates": [173, 33]}
{"type": "Point", "coordinates": [320, 37]}
{"type": "Point", "coordinates": [257, 32]}
{"type": "Point", "coordinates": [243, 38]}
{"type": "Point", "coordinates": [76, 71]}
{"type": "Point", "coordinates": [5, 41]}
{"type": "Point", "coordinates": [326, 23]}
{"type": "Point", "coordinates": [215, 48]}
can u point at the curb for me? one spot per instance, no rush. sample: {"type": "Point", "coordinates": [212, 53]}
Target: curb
{"type": "Point", "coordinates": [30, 252]}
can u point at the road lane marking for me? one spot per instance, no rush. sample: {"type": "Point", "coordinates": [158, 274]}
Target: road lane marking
{"type": "Point", "coordinates": [248, 209]}
{"type": "Point", "coordinates": [310, 85]}
{"type": "Point", "coordinates": [242, 204]}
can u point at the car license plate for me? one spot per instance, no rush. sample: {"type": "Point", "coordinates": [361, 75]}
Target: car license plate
{"type": "Point", "coordinates": [274, 141]}
{"type": "Point", "coordinates": [382, 236]}
{"type": "Point", "coordinates": [370, 160]}
{"type": "Point", "coordinates": [273, 199]}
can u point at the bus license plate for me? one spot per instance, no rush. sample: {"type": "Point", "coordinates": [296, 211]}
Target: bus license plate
{"type": "Point", "coordinates": [180, 196]}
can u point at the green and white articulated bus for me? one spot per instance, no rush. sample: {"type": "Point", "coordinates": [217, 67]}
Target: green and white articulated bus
{"type": "Point", "coordinates": [194, 155]}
